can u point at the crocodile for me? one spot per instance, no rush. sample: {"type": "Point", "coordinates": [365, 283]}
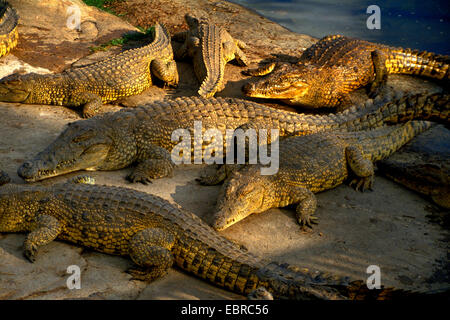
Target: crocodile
{"type": "Point", "coordinates": [157, 235]}
{"type": "Point", "coordinates": [307, 165]}
{"type": "Point", "coordinates": [9, 21]}
{"type": "Point", "coordinates": [122, 75]}
{"type": "Point", "coordinates": [210, 47]}
{"type": "Point", "coordinates": [423, 165]}
{"type": "Point", "coordinates": [143, 135]}
{"type": "Point", "coordinates": [329, 70]}
{"type": "Point", "coordinates": [426, 179]}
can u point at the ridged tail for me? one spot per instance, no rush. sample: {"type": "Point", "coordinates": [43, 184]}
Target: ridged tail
{"type": "Point", "coordinates": [285, 281]}
{"type": "Point", "coordinates": [380, 143]}
{"type": "Point", "coordinates": [414, 62]}
{"type": "Point", "coordinates": [424, 106]}
{"type": "Point", "coordinates": [8, 28]}
{"type": "Point", "coordinates": [232, 268]}
{"type": "Point", "coordinates": [212, 53]}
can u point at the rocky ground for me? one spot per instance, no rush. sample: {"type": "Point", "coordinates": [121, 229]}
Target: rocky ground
{"type": "Point", "coordinates": [390, 227]}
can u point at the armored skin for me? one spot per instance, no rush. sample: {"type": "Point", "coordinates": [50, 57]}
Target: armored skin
{"type": "Point", "coordinates": [143, 135]}
{"type": "Point", "coordinates": [308, 165]}
{"type": "Point", "coordinates": [210, 48]}
{"type": "Point", "coordinates": [336, 65]}
{"type": "Point", "coordinates": [122, 75]}
{"type": "Point", "coordinates": [8, 28]}
{"type": "Point", "coordinates": [426, 179]}
{"type": "Point", "coordinates": [156, 235]}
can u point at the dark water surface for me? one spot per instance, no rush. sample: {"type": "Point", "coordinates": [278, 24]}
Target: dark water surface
{"type": "Point", "coordinates": [413, 24]}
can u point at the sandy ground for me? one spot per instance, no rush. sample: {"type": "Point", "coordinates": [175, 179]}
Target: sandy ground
{"type": "Point", "coordinates": [389, 227]}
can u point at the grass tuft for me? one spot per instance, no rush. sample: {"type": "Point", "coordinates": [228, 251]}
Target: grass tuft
{"type": "Point", "coordinates": [133, 36]}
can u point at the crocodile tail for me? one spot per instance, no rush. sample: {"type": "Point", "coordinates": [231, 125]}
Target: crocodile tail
{"type": "Point", "coordinates": [8, 28]}
{"type": "Point", "coordinates": [433, 107]}
{"type": "Point", "coordinates": [291, 282]}
{"type": "Point", "coordinates": [162, 36]}
{"type": "Point", "coordinates": [421, 63]}
{"type": "Point", "coordinates": [380, 143]}
{"type": "Point", "coordinates": [212, 53]}
{"type": "Point", "coordinates": [424, 106]}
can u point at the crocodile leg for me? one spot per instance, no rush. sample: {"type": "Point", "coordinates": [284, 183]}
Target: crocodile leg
{"type": "Point", "coordinates": [233, 51]}
{"type": "Point", "coordinates": [45, 230]}
{"type": "Point", "coordinates": [215, 178]}
{"type": "Point", "coordinates": [91, 103]}
{"type": "Point", "coordinates": [307, 204]}
{"type": "Point", "coordinates": [379, 66]}
{"type": "Point", "coordinates": [157, 163]}
{"type": "Point", "coordinates": [188, 48]}
{"type": "Point", "coordinates": [165, 71]}
{"type": "Point", "coordinates": [361, 167]}
{"type": "Point", "coordinates": [150, 250]}
{"type": "Point", "coordinates": [221, 173]}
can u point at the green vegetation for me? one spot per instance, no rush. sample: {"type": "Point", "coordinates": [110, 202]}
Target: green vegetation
{"type": "Point", "coordinates": [101, 4]}
{"type": "Point", "coordinates": [134, 36]}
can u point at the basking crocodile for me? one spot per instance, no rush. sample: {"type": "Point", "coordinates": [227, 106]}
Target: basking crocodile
{"type": "Point", "coordinates": [336, 65]}
{"type": "Point", "coordinates": [308, 164]}
{"type": "Point", "coordinates": [142, 135]}
{"type": "Point", "coordinates": [210, 48]}
{"type": "Point", "coordinates": [8, 28]}
{"type": "Point", "coordinates": [122, 75]}
{"type": "Point", "coordinates": [425, 179]}
{"type": "Point", "coordinates": [156, 234]}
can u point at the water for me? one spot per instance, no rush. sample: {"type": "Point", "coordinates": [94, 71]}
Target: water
{"type": "Point", "coordinates": [422, 25]}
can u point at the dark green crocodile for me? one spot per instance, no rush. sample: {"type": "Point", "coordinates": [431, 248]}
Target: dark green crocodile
{"type": "Point", "coordinates": [423, 165]}
{"type": "Point", "coordinates": [9, 21]}
{"type": "Point", "coordinates": [336, 65]}
{"type": "Point", "coordinates": [142, 135]}
{"type": "Point", "coordinates": [122, 75]}
{"type": "Point", "coordinates": [156, 234]}
{"type": "Point", "coordinates": [308, 165]}
{"type": "Point", "coordinates": [210, 48]}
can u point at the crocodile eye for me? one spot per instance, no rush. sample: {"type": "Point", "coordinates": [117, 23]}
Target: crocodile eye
{"type": "Point", "coordinates": [246, 191]}
{"type": "Point", "coordinates": [84, 136]}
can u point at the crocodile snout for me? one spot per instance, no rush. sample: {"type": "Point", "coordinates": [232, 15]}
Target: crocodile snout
{"type": "Point", "coordinates": [26, 171]}
{"type": "Point", "coordinates": [248, 88]}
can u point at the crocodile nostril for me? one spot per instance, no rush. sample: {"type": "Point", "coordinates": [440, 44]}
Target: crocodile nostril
{"type": "Point", "coordinates": [249, 87]}
{"type": "Point", "coordinates": [27, 165]}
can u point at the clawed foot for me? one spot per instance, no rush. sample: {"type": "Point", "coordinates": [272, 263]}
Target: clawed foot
{"type": "Point", "coordinates": [362, 184]}
{"type": "Point", "coordinates": [30, 252]}
{"type": "Point", "coordinates": [375, 90]}
{"type": "Point", "coordinates": [135, 177]}
{"type": "Point", "coordinates": [145, 275]}
{"type": "Point", "coordinates": [307, 220]}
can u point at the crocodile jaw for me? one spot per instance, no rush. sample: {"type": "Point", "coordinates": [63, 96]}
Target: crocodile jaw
{"type": "Point", "coordinates": [11, 93]}
{"type": "Point", "coordinates": [39, 169]}
{"type": "Point", "coordinates": [227, 217]}
{"type": "Point", "coordinates": [268, 91]}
